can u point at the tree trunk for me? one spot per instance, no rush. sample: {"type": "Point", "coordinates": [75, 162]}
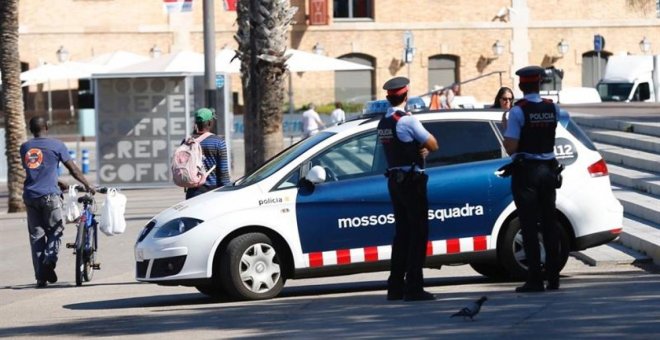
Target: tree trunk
{"type": "Point", "coordinates": [12, 102]}
{"type": "Point", "coordinates": [262, 40]}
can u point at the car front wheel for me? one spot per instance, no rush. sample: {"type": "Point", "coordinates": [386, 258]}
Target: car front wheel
{"type": "Point", "coordinates": [251, 268]}
{"type": "Point", "coordinates": [512, 254]}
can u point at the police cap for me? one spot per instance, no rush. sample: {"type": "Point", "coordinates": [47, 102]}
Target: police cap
{"type": "Point", "coordinates": [530, 74]}
{"type": "Point", "coordinates": [396, 86]}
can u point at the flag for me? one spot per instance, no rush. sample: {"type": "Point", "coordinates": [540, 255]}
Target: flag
{"type": "Point", "coordinates": [177, 6]}
{"type": "Point", "coordinates": [230, 5]}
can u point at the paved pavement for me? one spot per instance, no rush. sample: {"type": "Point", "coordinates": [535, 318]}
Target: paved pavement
{"type": "Point", "coordinates": [606, 300]}
{"type": "Point", "coordinates": [606, 291]}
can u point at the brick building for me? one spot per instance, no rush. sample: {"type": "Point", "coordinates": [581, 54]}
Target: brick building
{"type": "Point", "coordinates": [454, 41]}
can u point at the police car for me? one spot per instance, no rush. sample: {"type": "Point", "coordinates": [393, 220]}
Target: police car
{"type": "Point", "coordinates": [321, 207]}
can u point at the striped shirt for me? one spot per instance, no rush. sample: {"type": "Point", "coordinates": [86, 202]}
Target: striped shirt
{"type": "Point", "coordinates": [214, 149]}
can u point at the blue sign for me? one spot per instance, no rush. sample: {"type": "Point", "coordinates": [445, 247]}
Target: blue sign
{"type": "Point", "coordinates": [599, 43]}
{"type": "Point", "coordinates": [219, 81]}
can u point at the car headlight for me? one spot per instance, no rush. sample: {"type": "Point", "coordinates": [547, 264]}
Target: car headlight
{"type": "Point", "coordinates": [177, 226]}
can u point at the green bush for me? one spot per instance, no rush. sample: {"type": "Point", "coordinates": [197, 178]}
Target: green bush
{"type": "Point", "coordinates": [326, 109]}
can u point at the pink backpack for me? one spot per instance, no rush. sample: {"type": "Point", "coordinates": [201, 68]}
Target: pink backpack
{"type": "Point", "coordinates": [187, 166]}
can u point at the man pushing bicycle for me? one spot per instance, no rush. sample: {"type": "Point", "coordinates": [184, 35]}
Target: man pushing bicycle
{"type": "Point", "coordinates": [43, 197]}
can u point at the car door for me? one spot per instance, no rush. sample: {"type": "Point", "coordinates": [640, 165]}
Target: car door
{"type": "Point", "coordinates": [351, 209]}
{"type": "Point", "coordinates": [465, 196]}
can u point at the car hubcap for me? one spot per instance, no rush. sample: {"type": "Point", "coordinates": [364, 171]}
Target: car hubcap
{"type": "Point", "coordinates": [259, 271]}
{"type": "Point", "coordinates": [519, 250]}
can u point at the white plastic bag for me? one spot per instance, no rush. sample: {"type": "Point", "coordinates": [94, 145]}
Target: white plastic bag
{"type": "Point", "coordinates": [71, 208]}
{"type": "Point", "coordinates": [112, 219]}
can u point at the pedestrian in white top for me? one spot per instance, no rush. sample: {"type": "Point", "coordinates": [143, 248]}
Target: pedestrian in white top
{"type": "Point", "coordinates": [311, 121]}
{"type": "Point", "coordinates": [338, 115]}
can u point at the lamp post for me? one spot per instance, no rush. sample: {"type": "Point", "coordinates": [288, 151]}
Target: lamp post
{"type": "Point", "coordinates": [645, 45]}
{"type": "Point", "coordinates": [318, 49]}
{"type": "Point", "coordinates": [62, 54]}
{"type": "Point", "coordinates": [155, 52]}
{"type": "Point", "coordinates": [562, 47]}
{"type": "Point", "coordinates": [498, 48]}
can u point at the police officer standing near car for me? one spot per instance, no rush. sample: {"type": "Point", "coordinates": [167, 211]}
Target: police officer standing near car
{"type": "Point", "coordinates": [529, 139]}
{"type": "Point", "coordinates": [406, 143]}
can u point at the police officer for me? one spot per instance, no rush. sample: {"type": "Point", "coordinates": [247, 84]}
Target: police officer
{"type": "Point", "coordinates": [529, 139]}
{"type": "Point", "coordinates": [406, 143]}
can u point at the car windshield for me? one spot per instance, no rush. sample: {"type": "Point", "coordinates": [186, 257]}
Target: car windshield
{"type": "Point", "coordinates": [614, 92]}
{"type": "Point", "coordinates": [283, 158]}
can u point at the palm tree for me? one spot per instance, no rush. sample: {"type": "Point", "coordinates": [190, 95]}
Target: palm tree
{"type": "Point", "coordinates": [262, 40]}
{"type": "Point", "coordinates": [12, 101]}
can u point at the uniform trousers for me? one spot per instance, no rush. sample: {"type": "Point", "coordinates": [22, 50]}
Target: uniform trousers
{"type": "Point", "coordinates": [45, 226]}
{"type": "Point", "coordinates": [533, 185]}
{"type": "Point", "coordinates": [409, 200]}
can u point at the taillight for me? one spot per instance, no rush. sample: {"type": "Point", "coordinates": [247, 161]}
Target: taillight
{"type": "Point", "coordinates": [598, 169]}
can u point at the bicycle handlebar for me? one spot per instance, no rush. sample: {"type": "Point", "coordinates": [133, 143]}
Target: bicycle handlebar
{"type": "Point", "coordinates": [102, 190]}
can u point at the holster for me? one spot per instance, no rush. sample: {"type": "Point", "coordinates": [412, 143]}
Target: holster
{"type": "Point", "coordinates": [560, 179]}
{"type": "Point", "coordinates": [508, 169]}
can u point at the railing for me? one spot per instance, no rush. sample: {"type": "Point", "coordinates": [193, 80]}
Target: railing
{"type": "Point", "coordinates": [465, 82]}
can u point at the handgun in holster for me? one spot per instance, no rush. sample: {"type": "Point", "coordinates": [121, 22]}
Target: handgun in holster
{"type": "Point", "coordinates": [560, 179]}
{"type": "Point", "coordinates": [507, 169]}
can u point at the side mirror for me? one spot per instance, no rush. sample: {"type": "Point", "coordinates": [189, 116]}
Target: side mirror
{"type": "Point", "coordinates": [316, 174]}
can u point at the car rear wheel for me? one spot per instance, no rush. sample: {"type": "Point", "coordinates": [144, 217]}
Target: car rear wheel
{"type": "Point", "coordinates": [251, 268]}
{"type": "Point", "coordinates": [512, 255]}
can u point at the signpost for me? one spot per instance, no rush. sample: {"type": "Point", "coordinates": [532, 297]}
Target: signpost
{"type": "Point", "coordinates": [599, 45]}
{"type": "Point", "coordinates": [408, 49]}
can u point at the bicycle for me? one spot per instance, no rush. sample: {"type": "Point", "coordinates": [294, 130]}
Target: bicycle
{"type": "Point", "coordinates": [86, 244]}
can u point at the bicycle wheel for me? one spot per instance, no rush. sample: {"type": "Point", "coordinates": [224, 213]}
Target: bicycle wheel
{"type": "Point", "coordinates": [90, 254]}
{"type": "Point", "coordinates": [80, 252]}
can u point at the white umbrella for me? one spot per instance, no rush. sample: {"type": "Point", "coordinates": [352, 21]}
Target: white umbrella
{"type": "Point", "coordinates": [117, 59]}
{"type": "Point", "coordinates": [298, 61]}
{"type": "Point", "coordinates": [63, 71]}
{"type": "Point", "coordinates": [176, 64]}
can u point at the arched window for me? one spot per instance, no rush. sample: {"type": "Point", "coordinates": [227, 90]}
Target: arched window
{"type": "Point", "coordinates": [443, 70]}
{"type": "Point", "coordinates": [593, 67]}
{"type": "Point", "coordinates": [355, 86]}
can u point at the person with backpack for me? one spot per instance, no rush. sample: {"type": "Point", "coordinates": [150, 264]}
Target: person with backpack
{"type": "Point", "coordinates": [211, 170]}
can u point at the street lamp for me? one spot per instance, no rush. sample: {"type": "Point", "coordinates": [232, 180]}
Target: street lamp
{"type": "Point", "coordinates": [62, 54]}
{"type": "Point", "coordinates": [645, 45]}
{"type": "Point", "coordinates": [498, 48]}
{"type": "Point", "coordinates": [318, 49]}
{"type": "Point", "coordinates": [562, 47]}
{"type": "Point", "coordinates": [155, 51]}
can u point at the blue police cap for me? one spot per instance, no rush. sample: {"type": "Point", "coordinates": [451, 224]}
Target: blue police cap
{"type": "Point", "coordinates": [398, 85]}
{"type": "Point", "coordinates": [530, 74]}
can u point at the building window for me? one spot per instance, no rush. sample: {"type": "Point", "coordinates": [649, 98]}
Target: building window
{"type": "Point", "coordinates": [355, 86]}
{"type": "Point", "coordinates": [353, 9]}
{"type": "Point", "coordinates": [443, 71]}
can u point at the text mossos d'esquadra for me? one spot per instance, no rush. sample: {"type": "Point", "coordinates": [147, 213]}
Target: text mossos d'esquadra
{"type": "Point", "coordinates": [434, 214]}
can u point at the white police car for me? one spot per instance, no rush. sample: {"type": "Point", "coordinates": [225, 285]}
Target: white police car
{"type": "Point", "coordinates": [321, 207]}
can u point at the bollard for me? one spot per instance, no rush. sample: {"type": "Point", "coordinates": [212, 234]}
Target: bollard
{"type": "Point", "coordinates": [72, 154]}
{"type": "Point", "coordinates": [85, 161]}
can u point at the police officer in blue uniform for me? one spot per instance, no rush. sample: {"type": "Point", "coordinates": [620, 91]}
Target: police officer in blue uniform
{"type": "Point", "coordinates": [529, 139]}
{"type": "Point", "coordinates": [406, 144]}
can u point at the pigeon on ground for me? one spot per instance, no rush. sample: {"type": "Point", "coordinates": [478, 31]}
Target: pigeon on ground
{"type": "Point", "coordinates": [471, 310]}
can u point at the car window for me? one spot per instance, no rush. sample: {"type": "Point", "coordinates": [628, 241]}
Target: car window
{"type": "Point", "coordinates": [463, 142]}
{"type": "Point", "coordinates": [355, 157]}
{"type": "Point", "coordinates": [283, 158]}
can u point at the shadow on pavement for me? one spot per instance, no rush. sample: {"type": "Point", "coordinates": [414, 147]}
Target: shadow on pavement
{"type": "Point", "coordinates": [583, 307]}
